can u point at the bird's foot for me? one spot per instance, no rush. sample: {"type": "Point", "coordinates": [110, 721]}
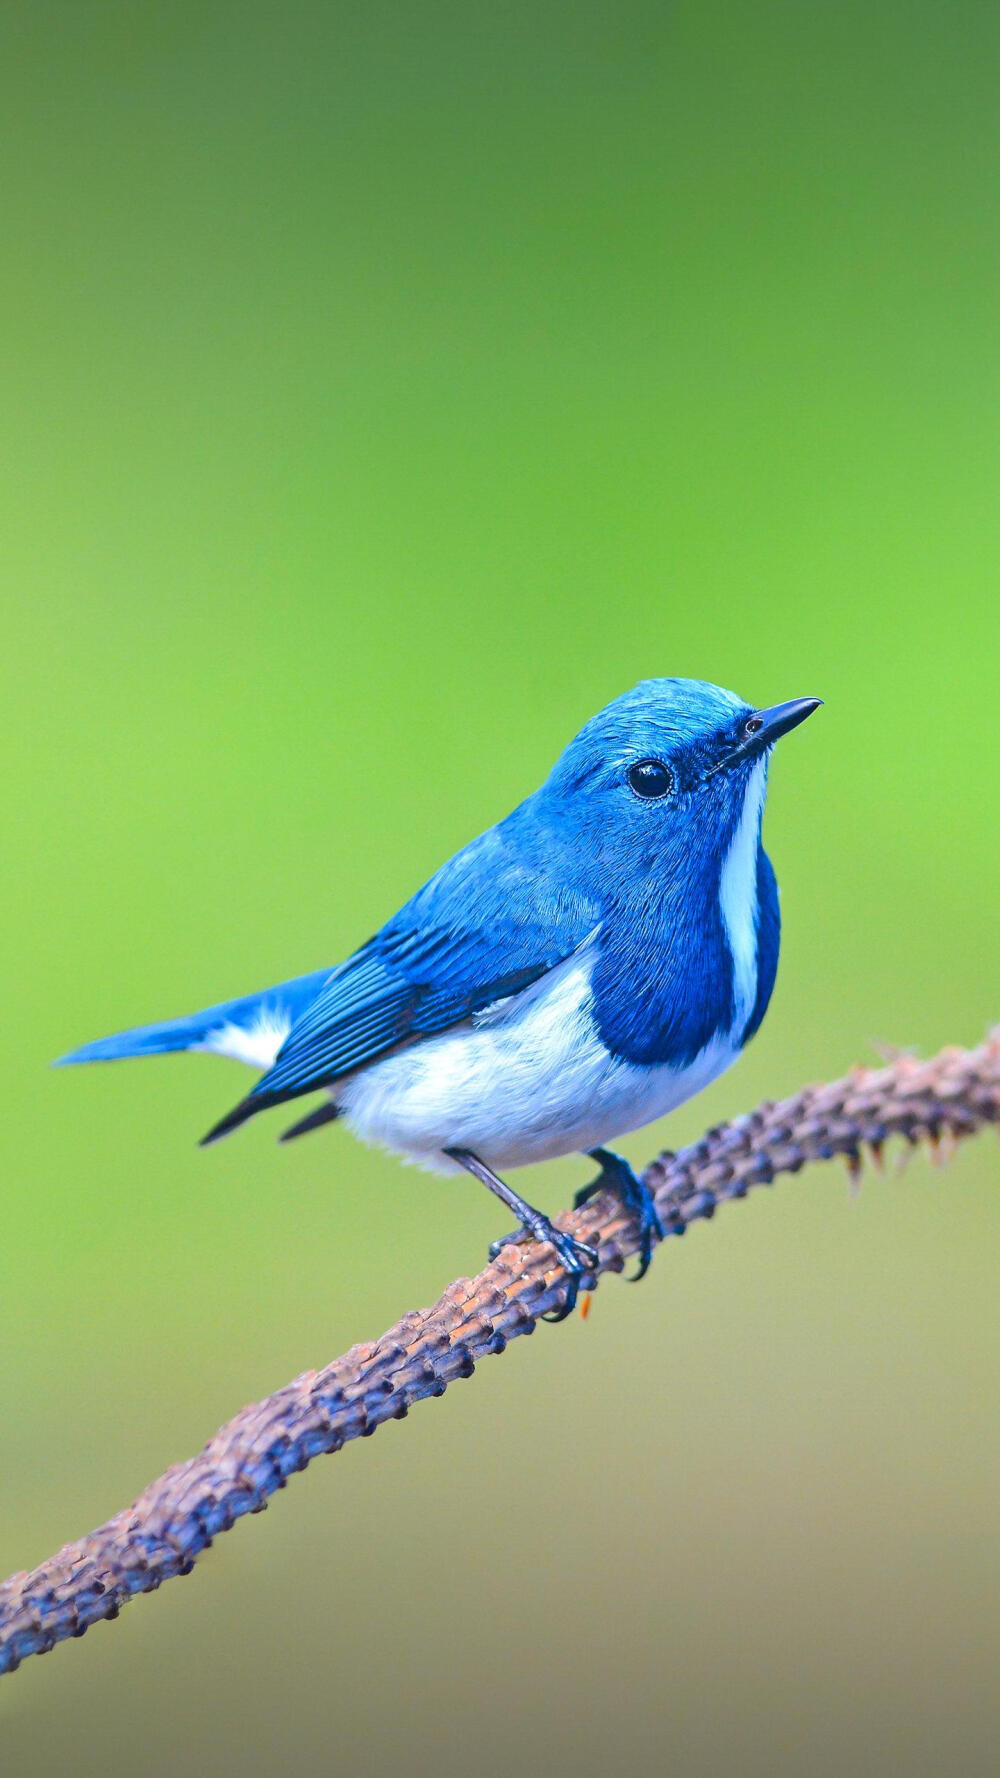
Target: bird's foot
{"type": "Point", "coordinates": [616, 1175]}
{"type": "Point", "coordinates": [576, 1257]}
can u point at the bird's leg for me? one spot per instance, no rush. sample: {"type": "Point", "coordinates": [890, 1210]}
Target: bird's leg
{"type": "Point", "coordinates": [577, 1258]}
{"type": "Point", "coordinates": [616, 1175]}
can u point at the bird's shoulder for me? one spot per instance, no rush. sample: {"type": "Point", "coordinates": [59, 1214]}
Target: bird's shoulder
{"type": "Point", "coordinates": [491, 921]}
{"type": "Point", "coordinates": [507, 900]}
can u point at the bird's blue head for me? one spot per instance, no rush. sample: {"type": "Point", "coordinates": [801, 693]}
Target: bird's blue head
{"type": "Point", "coordinates": [668, 770]}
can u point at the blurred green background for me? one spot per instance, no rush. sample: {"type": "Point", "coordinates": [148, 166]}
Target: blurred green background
{"type": "Point", "coordinates": [385, 388]}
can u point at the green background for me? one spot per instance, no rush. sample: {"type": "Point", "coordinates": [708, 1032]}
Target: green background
{"type": "Point", "coordinates": [385, 387]}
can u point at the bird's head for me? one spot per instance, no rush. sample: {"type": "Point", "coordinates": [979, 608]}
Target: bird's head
{"type": "Point", "coordinates": [669, 768]}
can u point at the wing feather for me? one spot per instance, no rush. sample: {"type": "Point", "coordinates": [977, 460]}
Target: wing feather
{"type": "Point", "coordinates": [491, 922]}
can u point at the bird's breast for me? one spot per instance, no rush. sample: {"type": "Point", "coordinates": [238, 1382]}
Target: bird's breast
{"type": "Point", "coordinates": [679, 956]}
{"type": "Point", "coordinates": [530, 1079]}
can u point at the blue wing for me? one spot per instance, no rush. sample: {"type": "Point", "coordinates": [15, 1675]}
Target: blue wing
{"type": "Point", "coordinates": [493, 920]}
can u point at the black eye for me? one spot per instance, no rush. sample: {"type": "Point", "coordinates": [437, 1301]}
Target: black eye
{"type": "Point", "coordinates": [650, 778]}
{"type": "Point", "coordinates": [752, 724]}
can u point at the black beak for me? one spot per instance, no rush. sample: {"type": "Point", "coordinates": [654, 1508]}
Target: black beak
{"type": "Point", "coordinates": [765, 727]}
{"type": "Point", "coordinates": [780, 719]}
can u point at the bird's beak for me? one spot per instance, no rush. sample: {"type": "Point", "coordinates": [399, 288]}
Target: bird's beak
{"type": "Point", "coordinates": [780, 719]}
{"type": "Point", "coordinates": [765, 727]}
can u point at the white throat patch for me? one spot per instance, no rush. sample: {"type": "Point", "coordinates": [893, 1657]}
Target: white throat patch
{"type": "Point", "coordinates": [738, 898]}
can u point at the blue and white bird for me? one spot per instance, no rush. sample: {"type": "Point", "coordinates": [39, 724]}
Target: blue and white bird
{"type": "Point", "coordinates": [578, 970]}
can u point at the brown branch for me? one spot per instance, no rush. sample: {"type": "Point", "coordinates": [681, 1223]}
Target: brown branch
{"type": "Point", "coordinates": [177, 1516]}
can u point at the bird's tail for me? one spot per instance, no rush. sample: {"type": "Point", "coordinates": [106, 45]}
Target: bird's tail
{"type": "Point", "coordinates": [251, 1030]}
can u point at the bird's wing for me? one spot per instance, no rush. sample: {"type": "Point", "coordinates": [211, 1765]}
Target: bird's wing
{"type": "Point", "coordinates": [491, 922]}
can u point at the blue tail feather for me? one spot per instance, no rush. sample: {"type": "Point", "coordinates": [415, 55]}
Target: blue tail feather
{"type": "Point", "coordinates": [275, 1006]}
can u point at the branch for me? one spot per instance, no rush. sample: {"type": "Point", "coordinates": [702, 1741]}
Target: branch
{"type": "Point", "coordinates": [175, 1519]}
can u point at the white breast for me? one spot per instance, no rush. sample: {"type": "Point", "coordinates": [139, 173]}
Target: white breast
{"type": "Point", "coordinates": [529, 1080]}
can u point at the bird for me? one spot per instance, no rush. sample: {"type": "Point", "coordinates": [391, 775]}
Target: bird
{"type": "Point", "coordinates": [580, 969]}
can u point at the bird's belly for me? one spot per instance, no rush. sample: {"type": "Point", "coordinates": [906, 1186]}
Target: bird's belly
{"type": "Point", "coordinates": [530, 1080]}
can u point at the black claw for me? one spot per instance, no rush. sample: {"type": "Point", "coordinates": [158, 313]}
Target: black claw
{"type": "Point", "coordinates": [572, 1292]}
{"type": "Point", "coordinates": [616, 1175]}
{"type": "Point", "coordinates": [577, 1258]}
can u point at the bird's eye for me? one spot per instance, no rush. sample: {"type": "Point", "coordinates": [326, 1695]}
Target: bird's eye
{"type": "Point", "coordinates": [650, 778]}
{"type": "Point", "coordinates": [752, 725]}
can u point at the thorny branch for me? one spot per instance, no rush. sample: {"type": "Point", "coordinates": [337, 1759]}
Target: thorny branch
{"type": "Point", "coordinates": [175, 1519]}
